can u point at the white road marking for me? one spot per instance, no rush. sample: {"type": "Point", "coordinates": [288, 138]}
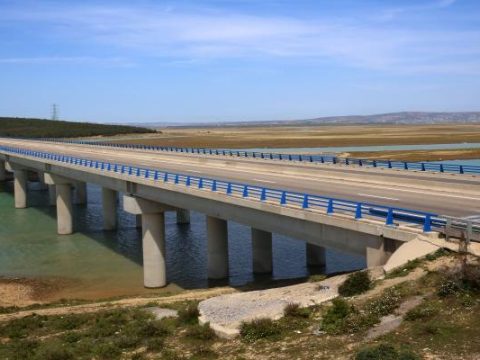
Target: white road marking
{"type": "Point", "coordinates": [379, 197]}
{"type": "Point", "coordinates": [194, 171]}
{"type": "Point", "coordinates": [264, 181]}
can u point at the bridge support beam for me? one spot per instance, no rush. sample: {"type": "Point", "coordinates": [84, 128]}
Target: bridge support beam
{"type": "Point", "coordinates": [153, 239]}
{"type": "Point", "coordinates": [262, 251]}
{"type": "Point", "coordinates": [183, 216]}
{"type": "Point", "coordinates": [109, 203]}
{"type": "Point", "coordinates": [316, 255]}
{"type": "Point", "coordinates": [80, 193]}
{"type": "Point", "coordinates": [20, 188]}
{"type": "Point", "coordinates": [62, 187]}
{"type": "Point", "coordinates": [217, 235]}
{"type": "Point", "coordinates": [3, 171]}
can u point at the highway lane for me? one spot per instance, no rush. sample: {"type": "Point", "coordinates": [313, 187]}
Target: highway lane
{"type": "Point", "coordinates": [441, 203]}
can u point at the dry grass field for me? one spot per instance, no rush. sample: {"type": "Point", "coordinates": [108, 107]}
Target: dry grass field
{"type": "Point", "coordinates": [309, 136]}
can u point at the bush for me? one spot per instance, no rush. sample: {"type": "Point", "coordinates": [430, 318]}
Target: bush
{"type": "Point", "coordinates": [294, 310]}
{"type": "Point", "coordinates": [334, 319]}
{"type": "Point", "coordinates": [384, 352]}
{"type": "Point", "coordinates": [201, 332]}
{"type": "Point", "coordinates": [463, 280]}
{"type": "Point", "coordinates": [259, 329]}
{"type": "Point", "coordinates": [189, 315]}
{"type": "Point", "coordinates": [356, 283]}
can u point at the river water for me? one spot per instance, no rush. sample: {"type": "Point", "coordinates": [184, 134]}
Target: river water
{"type": "Point", "coordinates": [103, 263]}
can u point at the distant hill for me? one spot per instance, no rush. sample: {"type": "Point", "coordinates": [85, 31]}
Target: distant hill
{"type": "Point", "coordinates": [41, 128]}
{"type": "Point", "coordinates": [390, 118]}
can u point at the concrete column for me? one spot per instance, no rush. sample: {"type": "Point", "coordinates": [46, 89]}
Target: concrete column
{"type": "Point", "coordinates": [138, 221]}
{"type": "Point", "coordinates": [183, 216]}
{"type": "Point", "coordinates": [217, 234]}
{"type": "Point", "coordinates": [64, 209]}
{"type": "Point", "coordinates": [20, 188]}
{"type": "Point", "coordinates": [3, 172]}
{"type": "Point", "coordinates": [109, 199]}
{"type": "Point", "coordinates": [315, 255]}
{"type": "Point", "coordinates": [52, 195]}
{"type": "Point", "coordinates": [376, 253]}
{"type": "Point", "coordinates": [153, 238]}
{"type": "Point", "coordinates": [80, 193]}
{"type": "Point", "coordinates": [261, 251]}
{"type": "Point", "coordinates": [153, 242]}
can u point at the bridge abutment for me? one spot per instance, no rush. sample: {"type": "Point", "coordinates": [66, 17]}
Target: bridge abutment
{"type": "Point", "coordinates": [262, 251]}
{"type": "Point", "coordinates": [109, 204]}
{"type": "Point", "coordinates": [316, 255]}
{"type": "Point", "coordinates": [217, 236]}
{"type": "Point", "coordinates": [183, 216]}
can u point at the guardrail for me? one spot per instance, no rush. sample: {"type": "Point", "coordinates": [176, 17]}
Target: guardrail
{"type": "Point", "coordinates": [322, 159]}
{"type": "Point", "coordinates": [391, 216]}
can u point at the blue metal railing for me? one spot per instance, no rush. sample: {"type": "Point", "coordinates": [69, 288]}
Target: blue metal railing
{"type": "Point", "coordinates": [305, 201]}
{"type": "Point", "coordinates": [321, 159]}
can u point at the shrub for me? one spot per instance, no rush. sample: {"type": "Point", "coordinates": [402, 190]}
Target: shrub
{"type": "Point", "coordinates": [189, 314]}
{"type": "Point", "coordinates": [294, 310]}
{"type": "Point", "coordinates": [384, 352]}
{"type": "Point", "coordinates": [334, 319]}
{"type": "Point", "coordinates": [53, 351]}
{"type": "Point", "coordinates": [356, 283]}
{"type": "Point", "coordinates": [259, 329]}
{"type": "Point", "coordinates": [201, 332]}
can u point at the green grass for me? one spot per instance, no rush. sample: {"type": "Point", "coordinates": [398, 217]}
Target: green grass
{"type": "Point", "coordinates": [385, 352]}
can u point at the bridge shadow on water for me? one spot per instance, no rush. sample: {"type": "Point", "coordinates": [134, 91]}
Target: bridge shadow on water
{"type": "Point", "coordinates": [94, 253]}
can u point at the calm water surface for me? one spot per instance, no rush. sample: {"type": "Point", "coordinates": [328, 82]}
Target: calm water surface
{"type": "Point", "coordinates": [110, 263]}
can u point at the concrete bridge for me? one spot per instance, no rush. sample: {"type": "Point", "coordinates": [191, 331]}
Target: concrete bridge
{"type": "Point", "coordinates": [368, 211]}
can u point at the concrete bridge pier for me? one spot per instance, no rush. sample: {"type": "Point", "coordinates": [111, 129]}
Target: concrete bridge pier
{"type": "Point", "coordinates": [3, 171]}
{"type": "Point", "coordinates": [183, 216]}
{"type": "Point", "coordinates": [63, 190]}
{"type": "Point", "coordinates": [109, 201]}
{"type": "Point", "coordinates": [217, 235]}
{"type": "Point", "coordinates": [153, 238]}
{"type": "Point", "coordinates": [316, 255]}
{"type": "Point", "coordinates": [262, 251]}
{"type": "Point", "coordinates": [80, 193]}
{"type": "Point", "coordinates": [20, 176]}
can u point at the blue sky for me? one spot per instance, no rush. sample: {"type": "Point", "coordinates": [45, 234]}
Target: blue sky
{"type": "Point", "coordinates": [221, 60]}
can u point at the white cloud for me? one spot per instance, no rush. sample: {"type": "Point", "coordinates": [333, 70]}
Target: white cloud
{"type": "Point", "coordinates": [166, 33]}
